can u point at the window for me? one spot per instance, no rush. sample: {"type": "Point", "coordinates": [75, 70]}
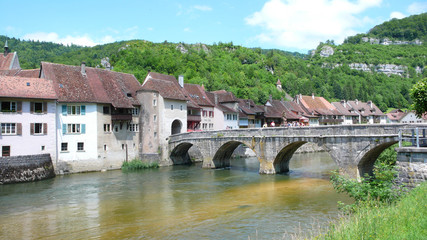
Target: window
{"type": "Point", "coordinates": [234, 117]}
{"type": "Point", "coordinates": [172, 107]}
{"type": "Point", "coordinates": [116, 128]}
{"type": "Point", "coordinates": [211, 114]}
{"type": "Point", "coordinates": [8, 106]}
{"type": "Point", "coordinates": [106, 109]}
{"type": "Point", "coordinates": [180, 107]}
{"type": "Point", "coordinates": [5, 151]}
{"type": "Point", "coordinates": [133, 127]}
{"type": "Point", "coordinates": [155, 134]}
{"type": "Point", "coordinates": [8, 129]}
{"type": "Point", "coordinates": [210, 125]}
{"type": "Point", "coordinates": [205, 113]}
{"type": "Point", "coordinates": [107, 127]}
{"type": "Point", "coordinates": [154, 102]}
{"type": "Point", "coordinates": [38, 107]}
{"type": "Point", "coordinates": [43, 148]}
{"type": "Point", "coordinates": [73, 110]}
{"type": "Point", "coordinates": [80, 146]}
{"type": "Point", "coordinates": [135, 111]}
{"type": "Point", "coordinates": [64, 147]}
{"type": "Point", "coordinates": [123, 146]}
{"type": "Point", "coordinates": [228, 116]}
{"type": "Point", "coordinates": [204, 125]}
{"type": "Point", "coordinates": [105, 147]}
{"type": "Point", "coordinates": [73, 128]}
{"type": "Point", "coordinates": [155, 118]}
{"type": "Point", "coordinates": [38, 128]}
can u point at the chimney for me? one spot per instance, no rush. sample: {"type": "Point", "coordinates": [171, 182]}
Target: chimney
{"type": "Point", "coordinates": [83, 68]}
{"type": "Point", "coordinates": [357, 102]}
{"type": "Point", "coordinates": [181, 80]}
{"type": "Point", "coordinates": [370, 104]}
{"type": "Point", "coordinates": [5, 48]}
{"type": "Point", "coordinates": [312, 95]}
{"type": "Point", "coordinates": [216, 98]}
{"type": "Point", "coordinates": [343, 103]}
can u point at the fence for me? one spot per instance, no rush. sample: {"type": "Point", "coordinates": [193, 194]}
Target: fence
{"type": "Point", "coordinates": [416, 136]}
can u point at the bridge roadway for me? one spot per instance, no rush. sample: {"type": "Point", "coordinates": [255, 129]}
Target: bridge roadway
{"type": "Point", "coordinates": [354, 148]}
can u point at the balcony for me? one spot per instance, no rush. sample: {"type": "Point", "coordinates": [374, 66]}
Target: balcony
{"type": "Point", "coordinates": [121, 117]}
{"type": "Point", "coordinates": [194, 118]}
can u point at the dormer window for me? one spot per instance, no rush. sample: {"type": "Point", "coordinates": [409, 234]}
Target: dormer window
{"type": "Point", "coordinates": [8, 106]}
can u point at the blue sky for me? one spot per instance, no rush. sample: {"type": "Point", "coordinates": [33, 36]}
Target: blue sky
{"type": "Point", "coordinates": [290, 25]}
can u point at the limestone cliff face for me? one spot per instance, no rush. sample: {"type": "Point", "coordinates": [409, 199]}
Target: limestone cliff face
{"type": "Point", "coordinates": [326, 51]}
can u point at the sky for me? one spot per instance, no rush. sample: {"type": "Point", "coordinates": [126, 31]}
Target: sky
{"type": "Point", "coordinates": [289, 25]}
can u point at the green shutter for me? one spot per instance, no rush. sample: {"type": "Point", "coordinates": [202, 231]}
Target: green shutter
{"type": "Point", "coordinates": [83, 110]}
{"type": "Point", "coordinates": [64, 128]}
{"type": "Point", "coordinates": [64, 110]}
{"type": "Point", "coordinates": [83, 126]}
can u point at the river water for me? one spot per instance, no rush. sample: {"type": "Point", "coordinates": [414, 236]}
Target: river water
{"type": "Point", "coordinates": [179, 202]}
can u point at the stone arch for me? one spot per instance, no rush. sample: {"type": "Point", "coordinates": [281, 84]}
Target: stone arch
{"type": "Point", "coordinates": [179, 154]}
{"type": "Point", "coordinates": [176, 127]}
{"type": "Point", "coordinates": [366, 163]}
{"type": "Point", "coordinates": [281, 161]}
{"type": "Point", "coordinates": [222, 156]}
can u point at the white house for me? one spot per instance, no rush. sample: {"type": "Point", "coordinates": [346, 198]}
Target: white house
{"type": "Point", "coordinates": [399, 116]}
{"type": "Point", "coordinates": [27, 117]}
{"type": "Point", "coordinates": [198, 96]}
{"type": "Point", "coordinates": [368, 112]}
{"type": "Point", "coordinates": [96, 127]}
{"type": "Point", "coordinates": [229, 105]}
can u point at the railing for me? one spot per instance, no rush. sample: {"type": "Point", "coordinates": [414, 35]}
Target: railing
{"type": "Point", "coordinates": [416, 136]}
{"type": "Point", "coordinates": [331, 120]}
{"type": "Point", "coordinates": [121, 116]}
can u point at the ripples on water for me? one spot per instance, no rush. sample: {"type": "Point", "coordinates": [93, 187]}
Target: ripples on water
{"type": "Point", "coordinates": [179, 202]}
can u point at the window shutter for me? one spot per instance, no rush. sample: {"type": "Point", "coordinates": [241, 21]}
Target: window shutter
{"type": "Point", "coordinates": [44, 107]}
{"type": "Point", "coordinates": [19, 107]}
{"type": "Point", "coordinates": [44, 128]}
{"type": "Point", "coordinates": [83, 128]}
{"type": "Point", "coordinates": [83, 110]}
{"type": "Point", "coordinates": [64, 127]}
{"type": "Point", "coordinates": [32, 128]}
{"type": "Point", "coordinates": [31, 107]}
{"type": "Point", "coordinates": [19, 128]}
{"type": "Point", "coordinates": [64, 110]}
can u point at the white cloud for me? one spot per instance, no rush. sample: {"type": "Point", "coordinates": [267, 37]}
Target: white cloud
{"type": "Point", "coordinates": [202, 8]}
{"type": "Point", "coordinates": [397, 15]}
{"type": "Point", "coordinates": [187, 29]}
{"type": "Point", "coordinates": [302, 24]}
{"type": "Point", "coordinates": [84, 40]}
{"type": "Point", "coordinates": [417, 8]}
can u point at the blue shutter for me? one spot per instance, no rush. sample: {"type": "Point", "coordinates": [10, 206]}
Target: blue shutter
{"type": "Point", "coordinates": [64, 110]}
{"type": "Point", "coordinates": [83, 110]}
{"type": "Point", "coordinates": [83, 128]}
{"type": "Point", "coordinates": [64, 128]}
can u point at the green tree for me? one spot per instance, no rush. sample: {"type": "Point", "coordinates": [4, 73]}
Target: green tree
{"type": "Point", "coordinates": [419, 97]}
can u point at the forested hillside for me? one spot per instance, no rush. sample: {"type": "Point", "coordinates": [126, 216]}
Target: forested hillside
{"type": "Point", "coordinates": [364, 71]}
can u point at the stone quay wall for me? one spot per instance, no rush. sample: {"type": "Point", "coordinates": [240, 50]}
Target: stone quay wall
{"type": "Point", "coordinates": [412, 165]}
{"type": "Point", "coordinates": [26, 168]}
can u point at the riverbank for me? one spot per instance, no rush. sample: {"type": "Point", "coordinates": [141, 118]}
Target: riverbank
{"type": "Point", "coordinates": [405, 219]}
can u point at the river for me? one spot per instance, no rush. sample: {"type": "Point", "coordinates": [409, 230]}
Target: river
{"type": "Point", "coordinates": [177, 202]}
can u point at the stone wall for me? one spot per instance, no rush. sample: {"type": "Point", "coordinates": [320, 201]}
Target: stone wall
{"type": "Point", "coordinates": [25, 168]}
{"type": "Point", "coordinates": [412, 164]}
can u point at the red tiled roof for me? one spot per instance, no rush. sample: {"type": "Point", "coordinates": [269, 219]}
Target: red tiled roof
{"type": "Point", "coordinates": [6, 61]}
{"type": "Point", "coordinates": [11, 72]}
{"type": "Point", "coordinates": [32, 73]}
{"type": "Point", "coordinates": [318, 104]}
{"type": "Point", "coordinates": [17, 87]}
{"type": "Point", "coordinates": [366, 108]}
{"type": "Point", "coordinates": [198, 95]}
{"type": "Point", "coordinates": [225, 97]}
{"type": "Point", "coordinates": [345, 108]}
{"type": "Point", "coordinates": [167, 86]}
{"type": "Point", "coordinates": [211, 96]}
{"type": "Point", "coordinates": [97, 86]}
{"type": "Point", "coordinates": [245, 108]}
{"type": "Point", "coordinates": [396, 115]}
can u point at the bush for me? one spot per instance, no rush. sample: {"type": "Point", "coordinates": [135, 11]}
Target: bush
{"type": "Point", "coordinates": [137, 164]}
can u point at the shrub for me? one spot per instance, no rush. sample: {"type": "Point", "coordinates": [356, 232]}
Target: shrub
{"type": "Point", "coordinates": [137, 164]}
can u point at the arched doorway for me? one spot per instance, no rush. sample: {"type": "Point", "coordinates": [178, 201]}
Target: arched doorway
{"type": "Point", "coordinates": [176, 127]}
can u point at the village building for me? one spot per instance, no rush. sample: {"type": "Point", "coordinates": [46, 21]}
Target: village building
{"type": "Point", "coordinates": [9, 61]}
{"type": "Point", "coordinates": [27, 117]}
{"type": "Point", "coordinates": [319, 110]}
{"type": "Point", "coordinates": [229, 105]}
{"type": "Point", "coordinates": [97, 116]}
{"type": "Point", "coordinates": [219, 111]}
{"type": "Point", "coordinates": [202, 105]}
{"type": "Point", "coordinates": [294, 114]}
{"type": "Point", "coordinates": [246, 115]}
{"type": "Point", "coordinates": [399, 116]}
{"type": "Point", "coordinates": [368, 112]}
{"type": "Point", "coordinates": [349, 113]}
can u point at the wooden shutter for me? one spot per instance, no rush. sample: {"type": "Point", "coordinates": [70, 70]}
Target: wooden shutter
{"type": "Point", "coordinates": [44, 107]}
{"type": "Point", "coordinates": [64, 127]}
{"type": "Point", "coordinates": [19, 128]}
{"type": "Point", "coordinates": [19, 107]}
{"type": "Point", "coordinates": [64, 110]}
{"type": "Point", "coordinates": [83, 128]}
{"type": "Point", "coordinates": [32, 128]}
{"type": "Point", "coordinates": [44, 128]}
{"type": "Point", "coordinates": [32, 107]}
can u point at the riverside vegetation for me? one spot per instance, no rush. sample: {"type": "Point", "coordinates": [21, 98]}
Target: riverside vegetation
{"type": "Point", "coordinates": [253, 72]}
{"type": "Point", "coordinates": [137, 164]}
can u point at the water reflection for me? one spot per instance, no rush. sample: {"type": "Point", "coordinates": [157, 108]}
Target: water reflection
{"type": "Point", "coordinates": [180, 202]}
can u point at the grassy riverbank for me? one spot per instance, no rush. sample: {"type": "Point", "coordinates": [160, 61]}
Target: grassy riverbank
{"type": "Point", "coordinates": [137, 164]}
{"type": "Point", "coordinates": [405, 219]}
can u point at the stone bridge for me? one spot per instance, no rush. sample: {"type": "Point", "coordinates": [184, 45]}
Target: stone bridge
{"type": "Point", "coordinates": [354, 148]}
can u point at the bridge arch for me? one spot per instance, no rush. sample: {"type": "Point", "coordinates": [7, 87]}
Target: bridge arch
{"type": "Point", "coordinates": [369, 156]}
{"type": "Point", "coordinates": [184, 153]}
{"type": "Point", "coordinates": [222, 157]}
{"type": "Point", "coordinates": [281, 161]}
